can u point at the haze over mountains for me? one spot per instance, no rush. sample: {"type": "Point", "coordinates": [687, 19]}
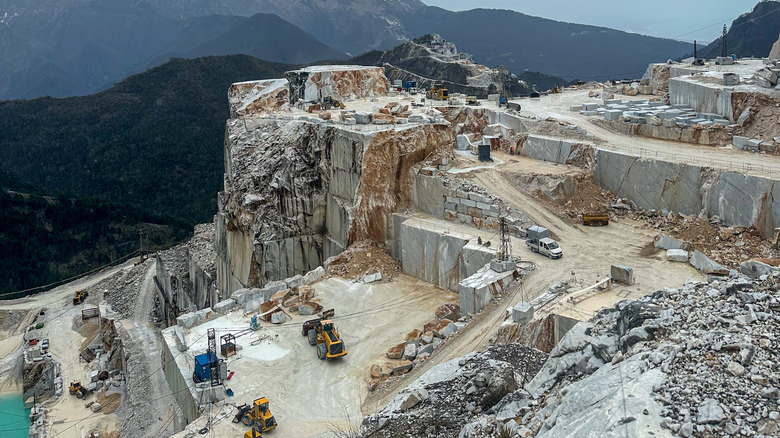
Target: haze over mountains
{"type": "Point", "coordinates": [75, 47]}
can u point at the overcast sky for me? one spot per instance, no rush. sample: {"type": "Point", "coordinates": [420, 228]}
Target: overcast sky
{"type": "Point", "coordinates": [677, 19]}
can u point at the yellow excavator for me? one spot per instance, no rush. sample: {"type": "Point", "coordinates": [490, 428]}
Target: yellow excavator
{"type": "Point", "coordinates": [438, 92]}
{"type": "Point", "coordinates": [259, 417]}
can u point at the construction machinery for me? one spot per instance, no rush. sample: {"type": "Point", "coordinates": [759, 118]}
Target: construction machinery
{"type": "Point", "coordinates": [323, 334]}
{"type": "Point", "coordinates": [258, 416]}
{"type": "Point", "coordinates": [80, 296]}
{"type": "Point", "coordinates": [595, 219]}
{"type": "Point", "coordinates": [255, 432]}
{"type": "Point", "coordinates": [77, 389]}
{"type": "Point", "coordinates": [472, 100]}
{"type": "Point", "coordinates": [556, 89]}
{"type": "Point", "coordinates": [329, 102]}
{"type": "Point", "coordinates": [438, 92]}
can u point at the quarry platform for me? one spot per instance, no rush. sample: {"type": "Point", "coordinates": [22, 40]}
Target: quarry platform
{"type": "Point", "coordinates": [306, 394]}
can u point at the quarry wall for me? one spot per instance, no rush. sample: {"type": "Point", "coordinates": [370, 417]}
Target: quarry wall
{"type": "Point", "coordinates": [298, 192]}
{"type": "Point", "coordinates": [738, 199]}
{"type": "Point", "coordinates": [188, 407]}
{"type": "Point", "coordinates": [702, 97]}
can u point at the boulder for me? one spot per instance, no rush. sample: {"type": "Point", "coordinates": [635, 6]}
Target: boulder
{"type": "Point", "coordinates": [305, 293]}
{"type": "Point", "coordinates": [413, 398]}
{"type": "Point", "coordinates": [410, 351]}
{"type": "Point", "coordinates": [293, 281]}
{"type": "Point", "coordinates": [278, 318]}
{"type": "Point", "coordinates": [414, 334]}
{"type": "Point", "coordinates": [280, 296]}
{"type": "Point", "coordinates": [438, 328]}
{"type": "Point", "coordinates": [309, 308]}
{"type": "Point", "coordinates": [426, 348]}
{"type": "Point", "coordinates": [95, 407]}
{"type": "Point", "coordinates": [224, 306]}
{"type": "Point", "coordinates": [705, 264]}
{"type": "Point", "coordinates": [448, 311]}
{"type": "Point", "coordinates": [313, 275]}
{"type": "Point", "coordinates": [401, 367]}
{"type": "Point", "coordinates": [669, 242]}
{"type": "Point", "coordinates": [755, 269]}
{"type": "Point", "coordinates": [372, 277]}
{"type": "Point", "coordinates": [396, 352]}
{"type": "Point", "coordinates": [265, 307]}
{"type": "Point", "coordinates": [710, 412]}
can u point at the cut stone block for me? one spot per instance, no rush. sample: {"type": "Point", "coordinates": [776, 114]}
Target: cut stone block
{"type": "Point", "coordinates": [622, 274]}
{"type": "Point", "coordinates": [677, 255]}
{"type": "Point", "coordinates": [522, 312]}
{"type": "Point", "coordinates": [669, 242]}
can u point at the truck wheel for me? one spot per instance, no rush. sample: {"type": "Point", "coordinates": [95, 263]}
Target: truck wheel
{"type": "Point", "coordinates": [322, 351]}
{"type": "Point", "coordinates": [79, 394]}
{"type": "Point", "coordinates": [312, 337]}
{"type": "Point", "coordinates": [246, 420]}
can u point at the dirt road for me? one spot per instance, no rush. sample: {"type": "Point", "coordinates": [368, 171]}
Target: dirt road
{"type": "Point", "coordinates": [147, 393]}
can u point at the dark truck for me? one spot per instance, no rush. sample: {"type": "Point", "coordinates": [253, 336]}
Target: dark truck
{"type": "Point", "coordinates": [540, 242]}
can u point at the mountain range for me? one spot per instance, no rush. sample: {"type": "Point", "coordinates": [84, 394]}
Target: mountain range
{"type": "Point", "coordinates": [75, 47]}
{"type": "Point", "coordinates": [751, 34]}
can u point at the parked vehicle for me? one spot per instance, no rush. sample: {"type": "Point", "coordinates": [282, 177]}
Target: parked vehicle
{"type": "Point", "coordinates": [539, 241]}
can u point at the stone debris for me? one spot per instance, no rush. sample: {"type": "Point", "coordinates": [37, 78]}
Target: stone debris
{"type": "Point", "coordinates": [695, 361]}
{"type": "Point", "coordinates": [452, 394]}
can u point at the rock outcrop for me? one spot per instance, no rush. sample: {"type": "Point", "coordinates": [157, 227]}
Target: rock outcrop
{"type": "Point", "coordinates": [298, 192]}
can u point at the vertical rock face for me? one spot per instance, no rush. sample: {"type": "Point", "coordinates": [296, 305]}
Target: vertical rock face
{"type": "Point", "coordinates": [775, 52]}
{"type": "Point", "coordinates": [338, 81]}
{"type": "Point", "coordinates": [298, 192]}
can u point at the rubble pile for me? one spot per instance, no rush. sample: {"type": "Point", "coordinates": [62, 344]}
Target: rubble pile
{"type": "Point", "coordinates": [363, 259]}
{"type": "Point", "coordinates": [451, 394]}
{"type": "Point", "coordinates": [419, 345]}
{"type": "Point", "coordinates": [728, 246]}
{"type": "Point", "coordinates": [201, 248]}
{"type": "Point", "coordinates": [695, 361]}
{"type": "Point", "coordinates": [120, 290]}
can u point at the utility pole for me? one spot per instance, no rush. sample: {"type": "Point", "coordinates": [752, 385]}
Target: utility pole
{"type": "Point", "coordinates": [724, 47]}
{"type": "Point", "coordinates": [141, 242]}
